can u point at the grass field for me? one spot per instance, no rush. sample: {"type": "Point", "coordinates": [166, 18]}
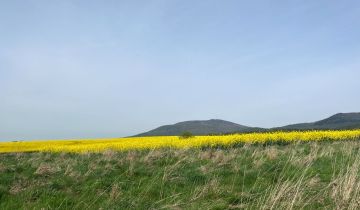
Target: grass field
{"type": "Point", "coordinates": [301, 175]}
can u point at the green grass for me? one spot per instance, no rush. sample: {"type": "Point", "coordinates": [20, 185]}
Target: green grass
{"type": "Point", "coordinates": [299, 176]}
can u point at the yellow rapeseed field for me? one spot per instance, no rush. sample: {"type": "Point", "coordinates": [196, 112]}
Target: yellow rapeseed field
{"type": "Point", "coordinates": [98, 145]}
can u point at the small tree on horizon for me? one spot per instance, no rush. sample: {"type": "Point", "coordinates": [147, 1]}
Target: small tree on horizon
{"type": "Point", "coordinates": [186, 135]}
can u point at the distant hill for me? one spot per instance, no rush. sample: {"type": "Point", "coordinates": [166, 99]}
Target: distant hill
{"type": "Point", "coordinates": [335, 122]}
{"type": "Point", "coordinates": [200, 127]}
{"type": "Point", "coordinates": [204, 127]}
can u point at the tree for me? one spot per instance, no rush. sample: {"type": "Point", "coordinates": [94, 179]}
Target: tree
{"type": "Point", "coordinates": [186, 135]}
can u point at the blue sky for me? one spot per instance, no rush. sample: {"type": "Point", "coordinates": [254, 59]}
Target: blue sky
{"type": "Point", "coordinates": [79, 69]}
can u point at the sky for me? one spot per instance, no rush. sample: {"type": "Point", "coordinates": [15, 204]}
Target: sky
{"type": "Point", "coordinates": [91, 69]}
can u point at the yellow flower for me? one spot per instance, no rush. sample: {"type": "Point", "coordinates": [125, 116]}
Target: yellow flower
{"type": "Point", "coordinates": [98, 145]}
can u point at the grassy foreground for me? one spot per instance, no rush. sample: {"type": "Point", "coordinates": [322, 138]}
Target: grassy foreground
{"type": "Point", "coordinates": [305, 175]}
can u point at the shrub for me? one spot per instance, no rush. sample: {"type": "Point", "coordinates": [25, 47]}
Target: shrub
{"type": "Point", "coordinates": [186, 135]}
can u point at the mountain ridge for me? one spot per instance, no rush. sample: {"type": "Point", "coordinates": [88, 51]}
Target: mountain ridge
{"type": "Point", "coordinates": [199, 127]}
{"type": "Point", "coordinates": [338, 121]}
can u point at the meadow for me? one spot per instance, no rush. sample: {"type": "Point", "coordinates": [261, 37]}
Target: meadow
{"type": "Point", "coordinates": [302, 175]}
{"type": "Point", "coordinates": [282, 170]}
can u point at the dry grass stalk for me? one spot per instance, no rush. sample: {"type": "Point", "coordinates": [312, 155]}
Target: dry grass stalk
{"type": "Point", "coordinates": [109, 154]}
{"type": "Point", "coordinates": [46, 169]}
{"type": "Point", "coordinates": [258, 162]}
{"type": "Point", "coordinates": [271, 153]}
{"type": "Point", "coordinates": [153, 155]}
{"type": "Point", "coordinates": [181, 153]}
{"type": "Point", "coordinates": [308, 159]}
{"type": "Point", "coordinates": [221, 158]}
{"type": "Point", "coordinates": [2, 168]}
{"type": "Point", "coordinates": [213, 186]}
{"type": "Point", "coordinates": [131, 156]}
{"type": "Point", "coordinates": [206, 155]}
{"type": "Point", "coordinates": [115, 191]}
{"type": "Point", "coordinates": [346, 187]}
{"type": "Point", "coordinates": [238, 206]}
{"type": "Point", "coordinates": [16, 188]}
{"type": "Point", "coordinates": [71, 172]}
{"type": "Point", "coordinates": [169, 171]}
{"type": "Point", "coordinates": [204, 169]}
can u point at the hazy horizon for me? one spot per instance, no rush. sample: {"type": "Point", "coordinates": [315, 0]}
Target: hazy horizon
{"type": "Point", "coordinates": [88, 69]}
